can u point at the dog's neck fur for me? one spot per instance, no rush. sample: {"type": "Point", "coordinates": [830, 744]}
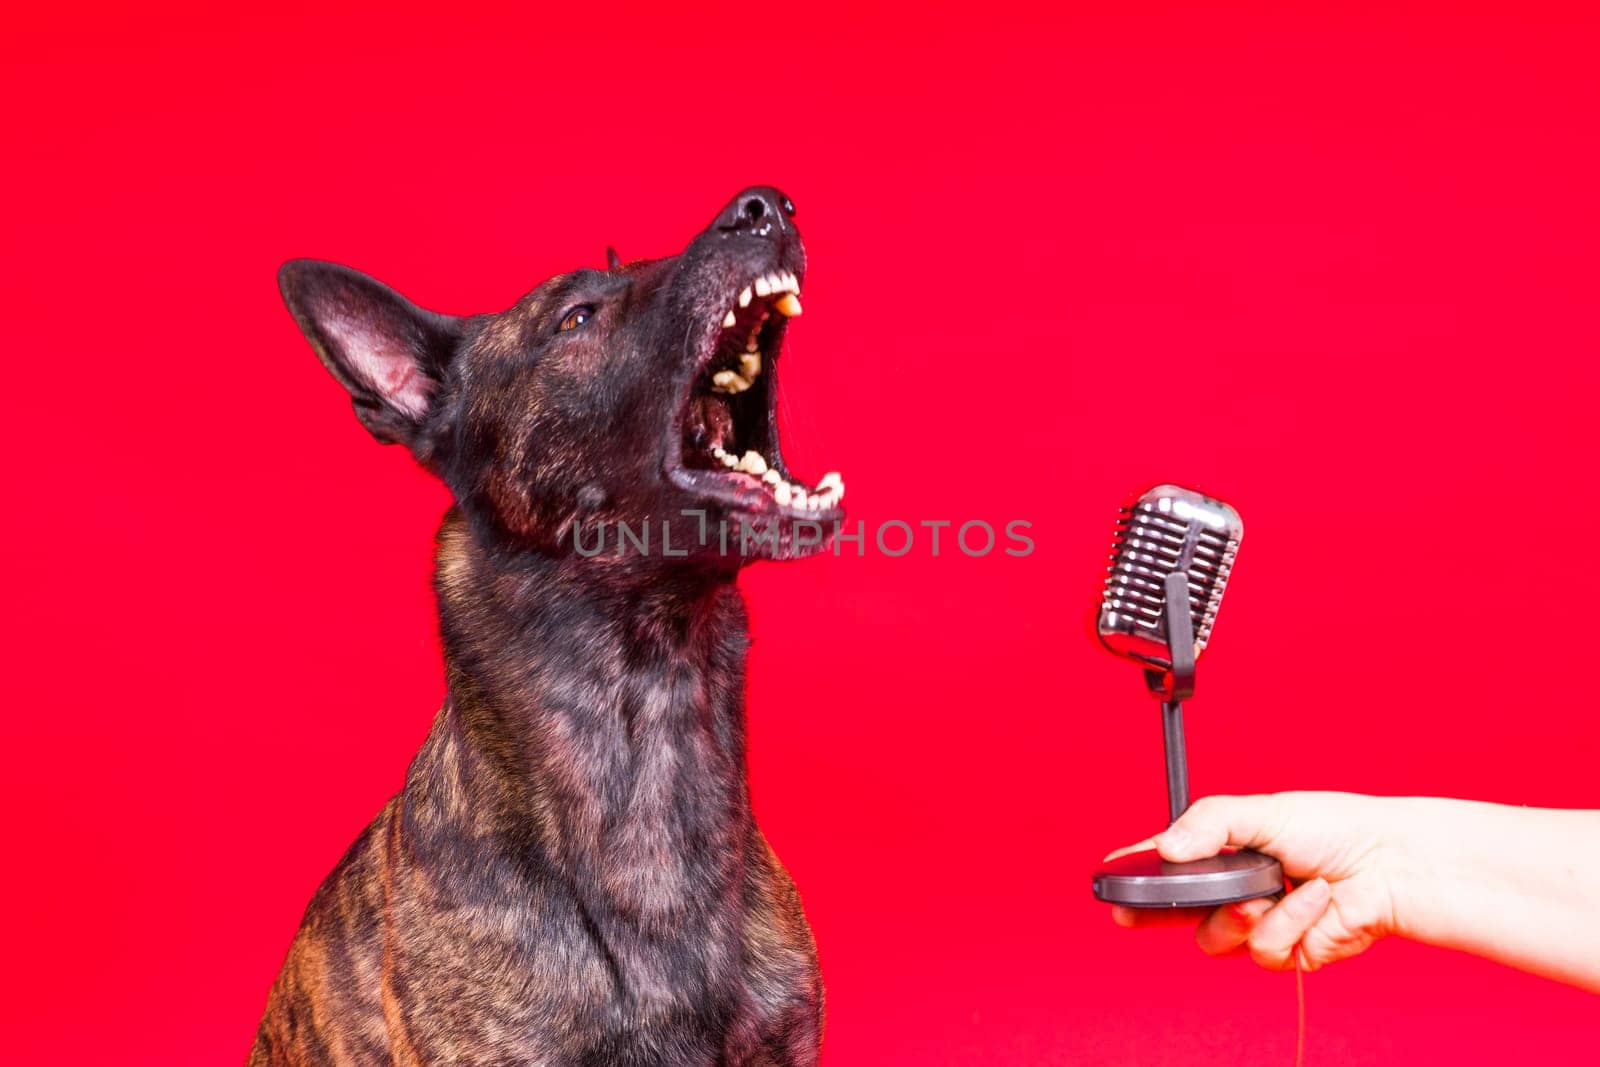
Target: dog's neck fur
{"type": "Point", "coordinates": [594, 729]}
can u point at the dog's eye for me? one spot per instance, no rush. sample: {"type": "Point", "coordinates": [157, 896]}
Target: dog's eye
{"type": "Point", "coordinates": [576, 317]}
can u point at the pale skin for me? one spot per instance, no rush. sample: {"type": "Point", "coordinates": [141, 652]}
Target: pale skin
{"type": "Point", "coordinates": [1517, 885]}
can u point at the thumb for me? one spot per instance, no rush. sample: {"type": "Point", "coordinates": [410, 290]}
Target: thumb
{"type": "Point", "coordinates": [1217, 821]}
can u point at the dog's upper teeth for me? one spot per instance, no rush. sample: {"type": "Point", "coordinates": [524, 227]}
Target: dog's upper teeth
{"type": "Point", "coordinates": [778, 283]}
{"type": "Point", "coordinates": [727, 381]}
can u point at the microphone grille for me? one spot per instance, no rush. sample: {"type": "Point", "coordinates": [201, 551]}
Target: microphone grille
{"type": "Point", "coordinates": [1167, 528]}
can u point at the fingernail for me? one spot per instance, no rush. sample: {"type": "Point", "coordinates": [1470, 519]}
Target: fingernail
{"type": "Point", "coordinates": [1177, 839]}
{"type": "Point", "coordinates": [1316, 889]}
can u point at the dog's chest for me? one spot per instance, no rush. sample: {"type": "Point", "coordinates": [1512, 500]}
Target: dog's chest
{"type": "Point", "coordinates": [581, 990]}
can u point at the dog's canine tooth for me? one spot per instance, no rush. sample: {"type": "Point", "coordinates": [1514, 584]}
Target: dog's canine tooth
{"type": "Point", "coordinates": [752, 463]}
{"type": "Point", "coordinates": [727, 320]}
{"type": "Point", "coordinates": [831, 480]}
{"type": "Point", "coordinates": [789, 304]}
{"type": "Point", "coordinates": [744, 297]}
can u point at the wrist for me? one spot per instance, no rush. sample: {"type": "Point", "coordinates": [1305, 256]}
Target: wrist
{"type": "Point", "coordinates": [1441, 884]}
{"type": "Point", "coordinates": [1412, 858]}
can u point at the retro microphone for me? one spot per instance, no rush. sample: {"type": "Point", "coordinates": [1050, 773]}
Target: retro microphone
{"type": "Point", "coordinates": [1170, 560]}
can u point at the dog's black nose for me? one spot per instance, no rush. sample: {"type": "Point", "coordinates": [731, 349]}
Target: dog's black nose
{"type": "Point", "coordinates": [760, 209]}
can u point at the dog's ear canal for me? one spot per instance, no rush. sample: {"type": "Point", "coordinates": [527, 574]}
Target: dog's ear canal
{"type": "Point", "coordinates": [388, 353]}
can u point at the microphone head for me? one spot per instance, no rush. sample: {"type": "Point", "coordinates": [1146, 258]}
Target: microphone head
{"type": "Point", "coordinates": [1166, 529]}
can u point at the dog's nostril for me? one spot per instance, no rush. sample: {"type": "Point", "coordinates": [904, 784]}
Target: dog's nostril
{"type": "Point", "coordinates": [760, 211]}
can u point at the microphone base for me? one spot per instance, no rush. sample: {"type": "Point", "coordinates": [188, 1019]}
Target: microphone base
{"type": "Point", "coordinates": [1145, 880]}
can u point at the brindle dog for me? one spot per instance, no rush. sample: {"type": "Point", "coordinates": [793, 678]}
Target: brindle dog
{"type": "Point", "coordinates": [571, 874]}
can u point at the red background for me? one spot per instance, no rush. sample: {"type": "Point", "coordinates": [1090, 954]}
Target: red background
{"type": "Point", "coordinates": [1349, 258]}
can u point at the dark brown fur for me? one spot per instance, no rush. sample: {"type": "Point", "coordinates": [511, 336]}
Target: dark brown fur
{"type": "Point", "coordinates": [571, 873]}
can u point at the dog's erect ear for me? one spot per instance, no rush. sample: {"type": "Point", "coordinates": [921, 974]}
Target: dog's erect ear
{"type": "Point", "coordinates": [390, 354]}
{"type": "Point", "coordinates": [613, 261]}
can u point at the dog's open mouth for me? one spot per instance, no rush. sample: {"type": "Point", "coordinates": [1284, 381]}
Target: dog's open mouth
{"type": "Point", "coordinates": [729, 423]}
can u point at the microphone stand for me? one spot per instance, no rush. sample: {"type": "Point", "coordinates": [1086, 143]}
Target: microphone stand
{"type": "Point", "coordinates": [1144, 879]}
{"type": "Point", "coordinates": [1172, 687]}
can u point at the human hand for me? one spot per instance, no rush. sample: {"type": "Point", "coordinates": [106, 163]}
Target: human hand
{"type": "Point", "coordinates": [1337, 845]}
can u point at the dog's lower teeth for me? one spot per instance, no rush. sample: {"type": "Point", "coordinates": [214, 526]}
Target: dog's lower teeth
{"type": "Point", "coordinates": [750, 366]}
{"type": "Point", "coordinates": [828, 493]}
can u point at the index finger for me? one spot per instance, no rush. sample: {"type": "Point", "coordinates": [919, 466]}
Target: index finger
{"type": "Point", "coordinates": [1212, 823]}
